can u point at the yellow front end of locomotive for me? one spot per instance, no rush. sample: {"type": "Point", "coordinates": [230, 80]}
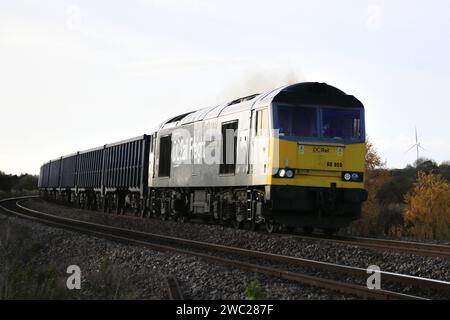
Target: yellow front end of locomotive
{"type": "Point", "coordinates": [317, 164]}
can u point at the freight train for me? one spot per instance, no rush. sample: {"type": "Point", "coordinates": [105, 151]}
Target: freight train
{"type": "Point", "coordinates": [293, 156]}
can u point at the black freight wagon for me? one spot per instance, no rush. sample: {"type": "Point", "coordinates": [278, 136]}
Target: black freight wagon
{"type": "Point", "coordinates": [89, 186]}
{"type": "Point", "coordinates": [49, 178]}
{"type": "Point", "coordinates": [68, 176]}
{"type": "Point", "coordinates": [54, 175]}
{"type": "Point", "coordinates": [125, 173]}
{"type": "Point", "coordinates": [43, 176]}
{"type": "Point", "coordinates": [110, 177]}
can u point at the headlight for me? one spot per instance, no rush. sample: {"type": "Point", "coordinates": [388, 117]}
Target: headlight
{"type": "Point", "coordinates": [352, 176]}
{"type": "Point", "coordinates": [285, 173]}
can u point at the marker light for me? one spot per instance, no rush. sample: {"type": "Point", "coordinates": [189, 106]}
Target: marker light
{"type": "Point", "coordinates": [289, 173]}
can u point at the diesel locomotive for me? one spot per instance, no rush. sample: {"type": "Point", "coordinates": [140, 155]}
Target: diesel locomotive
{"type": "Point", "coordinates": [293, 156]}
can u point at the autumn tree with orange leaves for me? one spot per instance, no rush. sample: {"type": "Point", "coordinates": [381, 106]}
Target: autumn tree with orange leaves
{"type": "Point", "coordinates": [427, 212]}
{"type": "Point", "coordinates": [376, 175]}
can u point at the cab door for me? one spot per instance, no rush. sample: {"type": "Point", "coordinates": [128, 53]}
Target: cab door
{"type": "Point", "coordinates": [259, 145]}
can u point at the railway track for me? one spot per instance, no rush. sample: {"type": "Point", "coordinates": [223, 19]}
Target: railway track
{"type": "Point", "coordinates": [172, 287]}
{"type": "Point", "coordinates": [274, 265]}
{"type": "Point", "coordinates": [405, 247]}
{"type": "Point", "coordinates": [409, 247]}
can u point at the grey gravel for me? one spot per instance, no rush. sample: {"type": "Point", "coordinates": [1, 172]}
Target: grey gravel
{"type": "Point", "coordinates": [134, 272]}
{"type": "Point", "coordinates": [352, 255]}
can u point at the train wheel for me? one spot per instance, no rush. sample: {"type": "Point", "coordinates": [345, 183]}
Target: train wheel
{"type": "Point", "coordinates": [236, 224]}
{"type": "Point", "coordinates": [330, 231]}
{"type": "Point", "coordinates": [251, 225]}
{"type": "Point", "coordinates": [184, 218]}
{"type": "Point", "coordinates": [270, 225]}
{"type": "Point", "coordinates": [287, 229]}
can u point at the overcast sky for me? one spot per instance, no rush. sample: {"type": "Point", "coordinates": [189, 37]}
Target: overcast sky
{"type": "Point", "coordinates": [79, 74]}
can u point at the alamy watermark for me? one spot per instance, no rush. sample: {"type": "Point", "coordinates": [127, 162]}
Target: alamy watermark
{"type": "Point", "coordinates": [374, 17]}
{"type": "Point", "coordinates": [374, 280]}
{"type": "Point", "coordinates": [73, 20]}
{"type": "Point", "coordinates": [74, 280]}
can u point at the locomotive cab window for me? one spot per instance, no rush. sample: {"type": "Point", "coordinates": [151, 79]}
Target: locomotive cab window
{"type": "Point", "coordinates": [229, 144]}
{"type": "Point", "coordinates": [341, 123]}
{"type": "Point", "coordinates": [328, 123]}
{"type": "Point", "coordinates": [297, 121]}
{"type": "Point", "coordinates": [165, 153]}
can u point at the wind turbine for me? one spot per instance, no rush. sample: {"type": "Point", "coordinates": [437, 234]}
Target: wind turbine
{"type": "Point", "coordinates": [417, 146]}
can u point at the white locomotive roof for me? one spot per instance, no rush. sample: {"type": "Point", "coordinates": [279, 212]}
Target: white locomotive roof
{"type": "Point", "coordinates": [215, 111]}
{"type": "Point", "coordinates": [196, 115]}
{"type": "Point", "coordinates": [303, 90]}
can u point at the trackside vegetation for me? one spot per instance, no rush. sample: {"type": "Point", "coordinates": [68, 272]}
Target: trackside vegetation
{"type": "Point", "coordinates": [410, 202]}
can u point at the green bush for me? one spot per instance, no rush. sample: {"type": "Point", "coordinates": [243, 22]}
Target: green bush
{"type": "Point", "coordinates": [253, 290]}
